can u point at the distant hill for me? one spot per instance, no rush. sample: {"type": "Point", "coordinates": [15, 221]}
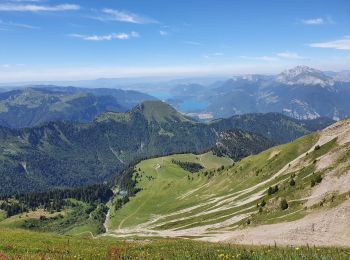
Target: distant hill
{"type": "Point", "coordinates": [33, 106]}
{"type": "Point", "coordinates": [273, 126]}
{"type": "Point", "coordinates": [126, 98]}
{"type": "Point", "coordinates": [68, 154]}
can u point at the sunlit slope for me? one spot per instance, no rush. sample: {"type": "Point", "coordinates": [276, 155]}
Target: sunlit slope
{"type": "Point", "coordinates": [163, 185]}
{"type": "Point", "coordinates": [311, 175]}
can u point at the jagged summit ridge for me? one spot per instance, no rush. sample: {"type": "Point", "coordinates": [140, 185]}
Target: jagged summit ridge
{"type": "Point", "coordinates": [304, 75]}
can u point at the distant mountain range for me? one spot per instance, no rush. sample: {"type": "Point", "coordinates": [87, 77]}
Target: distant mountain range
{"type": "Point", "coordinates": [301, 93]}
{"type": "Point", "coordinates": [28, 107]}
{"type": "Point", "coordinates": [69, 154]}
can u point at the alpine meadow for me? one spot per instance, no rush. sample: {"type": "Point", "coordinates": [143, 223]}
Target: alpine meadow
{"type": "Point", "coordinates": [174, 129]}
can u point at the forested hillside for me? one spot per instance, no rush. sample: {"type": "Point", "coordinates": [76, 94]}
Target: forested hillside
{"type": "Point", "coordinates": [67, 154]}
{"type": "Point", "coordinates": [237, 144]}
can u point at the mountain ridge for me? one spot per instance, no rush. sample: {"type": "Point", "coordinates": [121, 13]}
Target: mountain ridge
{"type": "Point", "coordinates": [301, 93]}
{"type": "Point", "coordinates": [33, 106]}
{"type": "Point", "coordinates": [68, 154]}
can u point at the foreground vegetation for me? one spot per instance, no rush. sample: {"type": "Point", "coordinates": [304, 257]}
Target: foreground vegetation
{"type": "Point", "coordinates": [20, 244]}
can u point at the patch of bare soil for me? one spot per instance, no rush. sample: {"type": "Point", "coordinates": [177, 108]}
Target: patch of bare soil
{"type": "Point", "coordinates": [324, 228]}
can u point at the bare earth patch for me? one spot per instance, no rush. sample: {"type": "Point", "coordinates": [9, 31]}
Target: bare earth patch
{"type": "Point", "coordinates": [325, 228]}
{"type": "Point", "coordinates": [330, 184]}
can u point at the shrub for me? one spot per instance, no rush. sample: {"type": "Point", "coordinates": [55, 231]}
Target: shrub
{"type": "Point", "coordinates": [313, 183]}
{"type": "Point", "coordinates": [316, 179]}
{"type": "Point", "coordinates": [284, 204]}
{"type": "Point", "coordinates": [292, 182]}
{"type": "Point", "coordinates": [271, 191]}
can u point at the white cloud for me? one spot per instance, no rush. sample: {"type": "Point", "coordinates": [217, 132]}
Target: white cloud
{"type": "Point", "coordinates": [124, 16]}
{"type": "Point", "coordinates": [259, 58]}
{"type": "Point", "coordinates": [341, 44]}
{"type": "Point", "coordinates": [192, 43]}
{"type": "Point", "coordinates": [315, 21]}
{"type": "Point", "coordinates": [214, 54]}
{"type": "Point", "coordinates": [318, 21]}
{"type": "Point", "coordinates": [134, 34]}
{"type": "Point", "coordinates": [108, 37]}
{"type": "Point", "coordinates": [21, 25]}
{"type": "Point", "coordinates": [287, 55]}
{"type": "Point", "coordinates": [163, 33]}
{"type": "Point", "coordinates": [37, 8]}
{"type": "Point", "coordinates": [12, 66]}
{"type": "Point", "coordinates": [290, 55]}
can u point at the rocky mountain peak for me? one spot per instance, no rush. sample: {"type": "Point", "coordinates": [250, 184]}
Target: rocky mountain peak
{"type": "Point", "coordinates": [304, 75]}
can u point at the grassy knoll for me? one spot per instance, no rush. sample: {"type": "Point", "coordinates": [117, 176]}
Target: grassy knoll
{"type": "Point", "coordinates": [163, 182]}
{"type": "Point", "coordinates": [19, 244]}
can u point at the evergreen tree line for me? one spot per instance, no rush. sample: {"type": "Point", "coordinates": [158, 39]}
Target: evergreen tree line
{"type": "Point", "coordinates": [188, 166]}
{"type": "Point", "coordinates": [55, 200]}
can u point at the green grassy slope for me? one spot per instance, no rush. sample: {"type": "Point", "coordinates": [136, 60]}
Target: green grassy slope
{"type": "Point", "coordinates": [175, 202]}
{"type": "Point", "coordinates": [162, 182]}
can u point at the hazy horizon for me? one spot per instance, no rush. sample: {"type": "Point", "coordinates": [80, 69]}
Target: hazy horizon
{"type": "Point", "coordinates": [84, 40]}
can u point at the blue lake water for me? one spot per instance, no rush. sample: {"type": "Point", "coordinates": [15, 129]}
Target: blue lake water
{"type": "Point", "coordinates": [186, 105]}
{"type": "Point", "coordinates": [192, 105]}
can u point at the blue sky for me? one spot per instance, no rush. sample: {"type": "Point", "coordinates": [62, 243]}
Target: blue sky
{"type": "Point", "coordinates": [74, 39]}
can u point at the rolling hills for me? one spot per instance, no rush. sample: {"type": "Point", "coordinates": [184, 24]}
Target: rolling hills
{"type": "Point", "coordinates": [33, 106]}
{"type": "Point", "coordinates": [68, 154]}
